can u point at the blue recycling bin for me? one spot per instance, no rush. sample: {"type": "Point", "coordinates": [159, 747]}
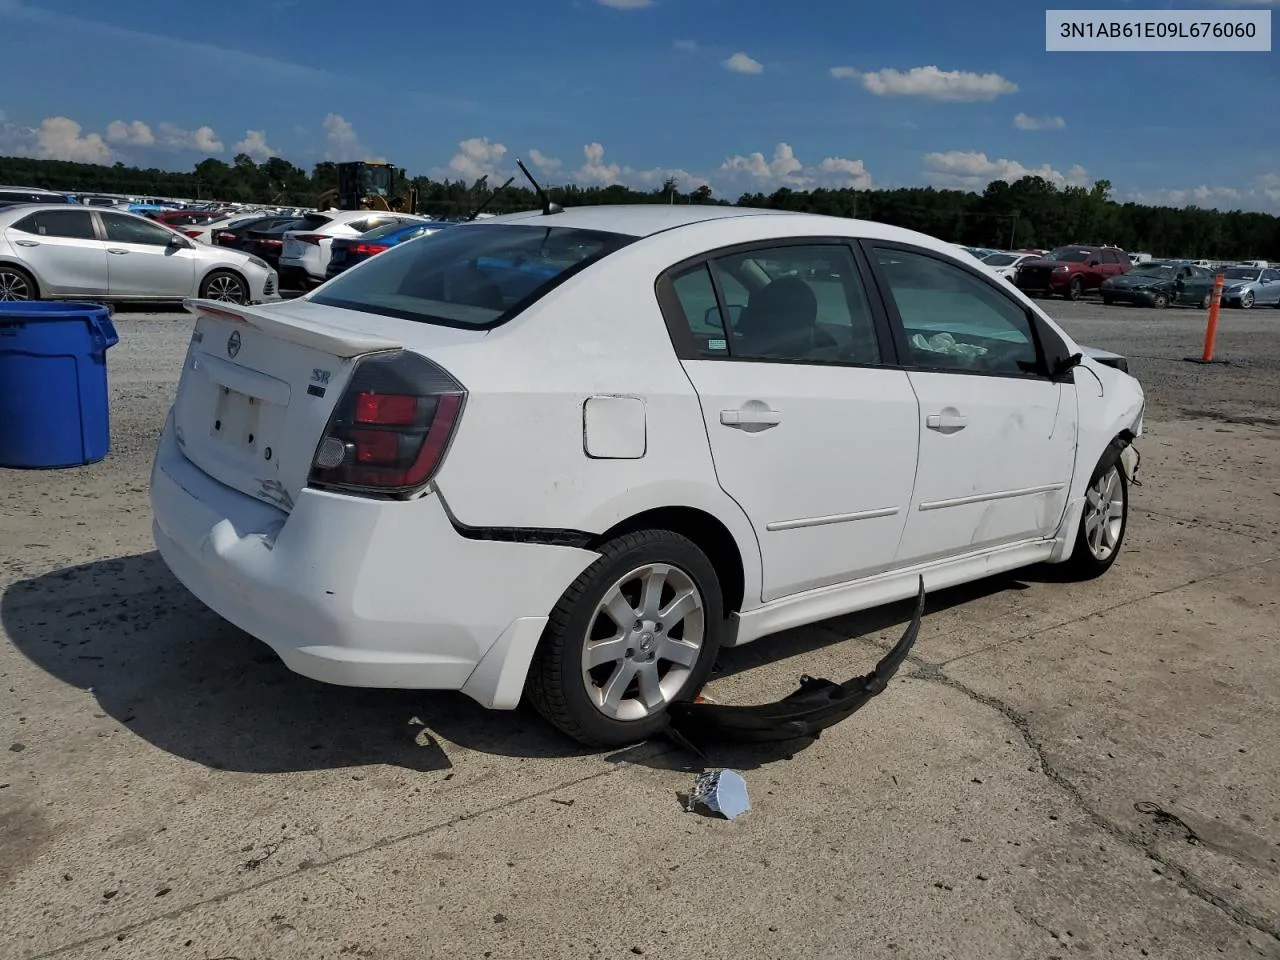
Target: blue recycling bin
{"type": "Point", "coordinates": [54, 408]}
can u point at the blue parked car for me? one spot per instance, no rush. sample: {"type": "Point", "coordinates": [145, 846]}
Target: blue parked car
{"type": "Point", "coordinates": [348, 251]}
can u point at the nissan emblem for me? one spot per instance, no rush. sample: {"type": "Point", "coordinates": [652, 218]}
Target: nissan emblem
{"type": "Point", "coordinates": [233, 344]}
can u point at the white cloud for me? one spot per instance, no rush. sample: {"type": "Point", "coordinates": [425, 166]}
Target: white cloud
{"type": "Point", "coordinates": [786, 170]}
{"type": "Point", "coordinates": [741, 63]}
{"type": "Point", "coordinates": [689, 46]}
{"type": "Point", "coordinates": [1201, 196]}
{"type": "Point", "coordinates": [1024, 122]}
{"type": "Point", "coordinates": [133, 134]}
{"type": "Point", "coordinates": [478, 157]}
{"type": "Point", "coordinates": [341, 142]}
{"type": "Point", "coordinates": [930, 83]}
{"type": "Point", "coordinates": [61, 138]}
{"type": "Point", "coordinates": [972, 170]}
{"type": "Point", "coordinates": [255, 145]}
{"type": "Point", "coordinates": [595, 171]}
{"type": "Point", "coordinates": [544, 163]}
{"type": "Point", "coordinates": [200, 140]}
{"type": "Point", "coordinates": [625, 4]}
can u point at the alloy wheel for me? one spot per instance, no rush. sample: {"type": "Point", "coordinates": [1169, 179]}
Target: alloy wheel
{"type": "Point", "coordinates": [227, 289]}
{"type": "Point", "coordinates": [14, 287]}
{"type": "Point", "coordinates": [1104, 514]}
{"type": "Point", "coordinates": [643, 642]}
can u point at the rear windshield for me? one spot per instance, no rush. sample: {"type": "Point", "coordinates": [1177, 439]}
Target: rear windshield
{"type": "Point", "coordinates": [396, 226]}
{"type": "Point", "coordinates": [313, 220]}
{"type": "Point", "coordinates": [1070, 255]}
{"type": "Point", "coordinates": [474, 276]}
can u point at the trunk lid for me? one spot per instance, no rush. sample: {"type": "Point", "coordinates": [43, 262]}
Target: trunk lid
{"type": "Point", "coordinates": [260, 382]}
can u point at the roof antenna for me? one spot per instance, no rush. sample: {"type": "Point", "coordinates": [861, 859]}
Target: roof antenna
{"type": "Point", "coordinates": [548, 207]}
{"type": "Point", "coordinates": [489, 199]}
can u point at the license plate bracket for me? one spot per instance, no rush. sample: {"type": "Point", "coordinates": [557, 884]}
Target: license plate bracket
{"type": "Point", "coordinates": [237, 421]}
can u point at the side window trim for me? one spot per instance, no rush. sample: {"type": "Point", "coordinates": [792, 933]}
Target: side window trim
{"type": "Point", "coordinates": [682, 337]}
{"type": "Point", "coordinates": [1042, 336]}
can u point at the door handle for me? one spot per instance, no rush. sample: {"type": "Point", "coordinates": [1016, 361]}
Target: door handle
{"type": "Point", "coordinates": [27, 243]}
{"type": "Point", "coordinates": [116, 250]}
{"type": "Point", "coordinates": [946, 422]}
{"type": "Point", "coordinates": [750, 419]}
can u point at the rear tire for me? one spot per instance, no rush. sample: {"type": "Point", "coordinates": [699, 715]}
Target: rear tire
{"type": "Point", "coordinates": [16, 285]}
{"type": "Point", "coordinates": [1102, 524]}
{"type": "Point", "coordinates": [607, 683]}
{"type": "Point", "coordinates": [225, 286]}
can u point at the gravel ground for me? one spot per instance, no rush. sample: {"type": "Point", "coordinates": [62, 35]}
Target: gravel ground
{"type": "Point", "coordinates": [169, 790]}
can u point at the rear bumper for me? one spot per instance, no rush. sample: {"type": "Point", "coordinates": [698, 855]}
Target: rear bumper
{"type": "Point", "coordinates": [360, 592]}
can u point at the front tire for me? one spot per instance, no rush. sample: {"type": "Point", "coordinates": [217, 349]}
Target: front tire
{"type": "Point", "coordinates": [1102, 524]}
{"type": "Point", "coordinates": [1075, 289]}
{"type": "Point", "coordinates": [638, 629]}
{"type": "Point", "coordinates": [1160, 301]}
{"type": "Point", "coordinates": [1246, 300]}
{"type": "Point", "coordinates": [16, 284]}
{"type": "Point", "coordinates": [225, 286]}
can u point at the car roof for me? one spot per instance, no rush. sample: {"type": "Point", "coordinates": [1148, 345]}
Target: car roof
{"type": "Point", "coordinates": [636, 219]}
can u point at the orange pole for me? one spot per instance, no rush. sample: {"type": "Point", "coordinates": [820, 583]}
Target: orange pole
{"type": "Point", "coordinates": [1211, 330]}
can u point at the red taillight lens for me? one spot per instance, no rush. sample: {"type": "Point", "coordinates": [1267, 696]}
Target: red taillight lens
{"type": "Point", "coordinates": [271, 243]}
{"type": "Point", "coordinates": [368, 249]}
{"type": "Point", "coordinates": [310, 238]}
{"type": "Point", "coordinates": [385, 408]}
{"type": "Point", "coordinates": [391, 428]}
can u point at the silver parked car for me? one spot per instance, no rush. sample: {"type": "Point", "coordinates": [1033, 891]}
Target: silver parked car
{"type": "Point", "coordinates": [1246, 286]}
{"type": "Point", "coordinates": [65, 251]}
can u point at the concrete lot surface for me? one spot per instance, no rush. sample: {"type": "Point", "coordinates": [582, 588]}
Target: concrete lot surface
{"type": "Point", "coordinates": [169, 790]}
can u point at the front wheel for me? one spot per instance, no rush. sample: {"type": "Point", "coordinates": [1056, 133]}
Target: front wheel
{"type": "Point", "coordinates": [225, 286]}
{"type": "Point", "coordinates": [1160, 301]}
{"type": "Point", "coordinates": [639, 629]}
{"type": "Point", "coordinates": [1075, 289]}
{"type": "Point", "coordinates": [1102, 525]}
{"type": "Point", "coordinates": [1206, 301]}
{"type": "Point", "coordinates": [1246, 300]}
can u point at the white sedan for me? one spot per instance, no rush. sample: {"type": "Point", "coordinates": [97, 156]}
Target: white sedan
{"type": "Point", "coordinates": [575, 454]}
{"type": "Point", "coordinates": [69, 251]}
{"type": "Point", "coordinates": [1006, 264]}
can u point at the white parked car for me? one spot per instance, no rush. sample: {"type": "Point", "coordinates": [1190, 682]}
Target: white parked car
{"type": "Point", "coordinates": [304, 258]}
{"type": "Point", "coordinates": [70, 251]}
{"type": "Point", "coordinates": [1006, 264]}
{"type": "Point", "coordinates": [577, 453]}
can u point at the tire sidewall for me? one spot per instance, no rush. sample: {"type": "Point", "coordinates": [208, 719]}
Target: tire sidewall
{"type": "Point", "coordinates": [567, 634]}
{"type": "Point", "coordinates": [1075, 289]}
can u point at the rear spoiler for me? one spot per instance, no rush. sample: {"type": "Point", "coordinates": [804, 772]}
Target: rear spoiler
{"type": "Point", "coordinates": [816, 705]}
{"type": "Point", "coordinates": [292, 328]}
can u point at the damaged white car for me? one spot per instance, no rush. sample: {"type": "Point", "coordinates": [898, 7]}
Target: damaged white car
{"type": "Point", "coordinates": [569, 455]}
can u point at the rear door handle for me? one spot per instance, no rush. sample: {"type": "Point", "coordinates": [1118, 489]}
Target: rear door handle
{"type": "Point", "coordinates": [116, 250]}
{"type": "Point", "coordinates": [27, 243]}
{"type": "Point", "coordinates": [948, 422]}
{"type": "Point", "coordinates": [748, 418]}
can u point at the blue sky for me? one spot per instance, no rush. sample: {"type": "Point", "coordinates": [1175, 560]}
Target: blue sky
{"type": "Point", "coordinates": [743, 94]}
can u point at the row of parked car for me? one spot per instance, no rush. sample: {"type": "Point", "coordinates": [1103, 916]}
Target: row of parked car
{"type": "Point", "coordinates": [53, 246]}
{"type": "Point", "coordinates": [1074, 270]}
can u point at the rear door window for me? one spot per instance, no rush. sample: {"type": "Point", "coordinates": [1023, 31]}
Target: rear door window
{"type": "Point", "coordinates": [474, 276]}
{"type": "Point", "coordinates": [126, 229]}
{"type": "Point", "coordinates": [72, 224]}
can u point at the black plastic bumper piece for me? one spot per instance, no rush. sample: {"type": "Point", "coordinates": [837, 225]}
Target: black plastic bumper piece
{"type": "Point", "coordinates": [806, 712]}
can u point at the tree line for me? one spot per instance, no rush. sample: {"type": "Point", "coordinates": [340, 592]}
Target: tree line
{"type": "Point", "coordinates": [1032, 212]}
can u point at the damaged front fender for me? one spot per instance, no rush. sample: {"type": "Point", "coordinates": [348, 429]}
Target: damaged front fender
{"type": "Point", "coordinates": [806, 712]}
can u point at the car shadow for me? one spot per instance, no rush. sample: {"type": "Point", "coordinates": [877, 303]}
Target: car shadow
{"type": "Point", "coordinates": [193, 685]}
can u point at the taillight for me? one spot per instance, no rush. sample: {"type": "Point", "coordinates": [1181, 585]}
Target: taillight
{"type": "Point", "coordinates": [310, 238]}
{"type": "Point", "coordinates": [391, 428]}
{"type": "Point", "coordinates": [224, 237]}
{"type": "Point", "coordinates": [368, 249]}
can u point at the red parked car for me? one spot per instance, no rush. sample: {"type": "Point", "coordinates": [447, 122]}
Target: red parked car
{"type": "Point", "coordinates": [1071, 271]}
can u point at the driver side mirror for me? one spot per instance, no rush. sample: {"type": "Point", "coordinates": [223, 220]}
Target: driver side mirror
{"type": "Point", "coordinates": [177, 240]}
